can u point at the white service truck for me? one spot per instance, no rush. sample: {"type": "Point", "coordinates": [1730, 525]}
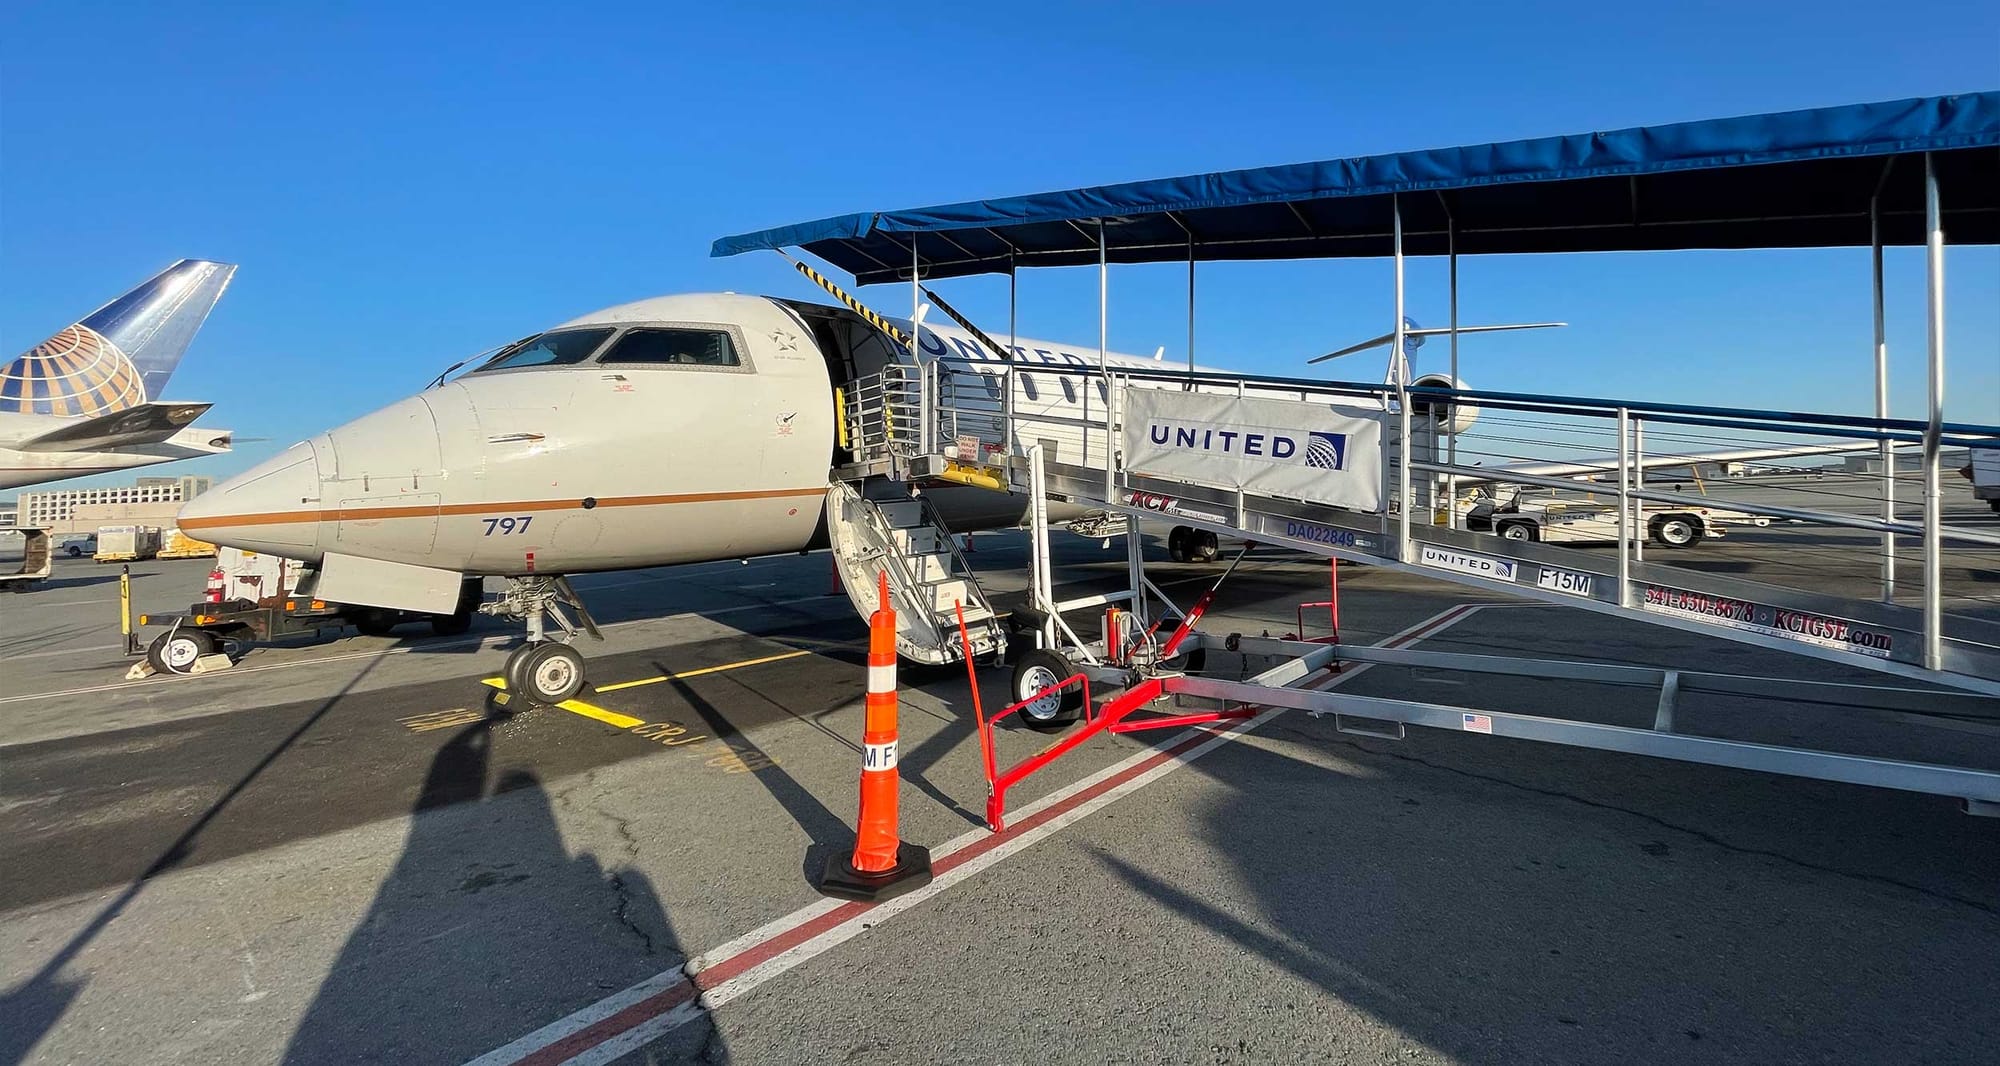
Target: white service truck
{"type": "Point", "coordinates": [255, 597]}
{"type": "Point", "coordinates": [1559, 521]}
{"type": "Point", "coordinates": [1984, 473]}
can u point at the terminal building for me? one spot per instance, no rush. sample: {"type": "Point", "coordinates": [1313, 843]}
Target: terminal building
{"type": "Point", "coordinates": [150, 501]}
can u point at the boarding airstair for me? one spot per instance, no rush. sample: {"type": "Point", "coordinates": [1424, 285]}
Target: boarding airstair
{"type": "Point", "coordinates": [880, 526]}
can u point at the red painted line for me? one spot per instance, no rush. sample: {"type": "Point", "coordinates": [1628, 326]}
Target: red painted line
{"type": "Point", "coordinates": [744, 960]}
{"type": "Point", "coordinates": [724, 970]}
{"type": "Point", "coordinates": [584, 1039]}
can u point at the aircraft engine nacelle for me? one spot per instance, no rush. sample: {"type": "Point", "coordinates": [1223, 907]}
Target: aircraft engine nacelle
{"type": "Point", "coordinates": [1451, 418]}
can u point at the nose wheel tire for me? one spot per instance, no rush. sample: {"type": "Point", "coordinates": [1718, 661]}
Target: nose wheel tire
{"type": "Point", "coordinates": [176, 651]}
{"type": "Point", "coordinates": [546, 673]}
{"type": "Point", "coordinates": [1039, 669]}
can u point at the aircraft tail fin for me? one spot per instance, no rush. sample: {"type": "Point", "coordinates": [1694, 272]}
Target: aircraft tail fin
{"type": "Point", "coordinates": [120, 355]}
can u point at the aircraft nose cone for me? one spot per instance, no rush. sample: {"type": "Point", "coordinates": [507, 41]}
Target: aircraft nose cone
{"type": "Point", "coordinates": [272, 507]}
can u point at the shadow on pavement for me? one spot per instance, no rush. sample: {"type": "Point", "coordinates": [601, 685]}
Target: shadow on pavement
{"type": "Point", "coordinates": [486, 928]}
{"type": "Point", "coordinates": [29, 1010]}
{"type": "Point", "coordinates": [1508, 902]}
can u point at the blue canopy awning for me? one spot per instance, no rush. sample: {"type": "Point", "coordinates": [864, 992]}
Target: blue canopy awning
{"type": "Point", "coordinates": [1795, 179]}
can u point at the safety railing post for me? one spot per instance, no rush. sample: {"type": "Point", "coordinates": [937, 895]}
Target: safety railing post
{"type": "Point", "coordinates": [1638, 486]}
{"type": "Point", "coordinates": [1624, 508]}
{"type": "Point", "coordinates": [1403, 477]}
{"type": "Point", "coordinates": [1112, 410]}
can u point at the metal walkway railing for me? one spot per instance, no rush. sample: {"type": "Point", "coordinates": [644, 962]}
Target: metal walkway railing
{"type": "Point", "coordinates": [1585, 502]}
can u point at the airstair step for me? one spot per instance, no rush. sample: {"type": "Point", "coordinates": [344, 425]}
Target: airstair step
{"type": "Point", "coordinates": [930, 569]}
{"type": "Point", "coordinates": [947, 595]}
{"type": "Point", "coordinates": [902, 514]}
{"type": "Point", "coordinates": [918, 540]}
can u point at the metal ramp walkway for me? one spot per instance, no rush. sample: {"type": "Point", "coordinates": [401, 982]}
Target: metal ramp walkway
{"type": "Point", "coordinates": [987, 424]}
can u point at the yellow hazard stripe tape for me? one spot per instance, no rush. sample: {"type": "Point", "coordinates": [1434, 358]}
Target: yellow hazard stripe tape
{"type": "Point", "coordinates": [855, 305]}
{"type": "Point", "coordinates": [612, 718]}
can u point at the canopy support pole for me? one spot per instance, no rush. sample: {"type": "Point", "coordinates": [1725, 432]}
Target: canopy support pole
{"type": "Point", "coordinates": [1451, 436]}
{"type": "Point", "coordinates": [1013, 349]}
{"type": "Point", "coordinates": [1190, 303]}
{"type": "Point", "coordinates": [1400, 368]}
{"type": "Point", "coordinates": [1888, 454]}
{"type": "Point", "coordinates": [1934, 271]}
{"type": "Point", "coordinates": [1103, 356]}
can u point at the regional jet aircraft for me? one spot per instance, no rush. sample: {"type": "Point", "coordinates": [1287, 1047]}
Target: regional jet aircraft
{"type": "Point", "coordinates": [677, 429]}
{"type": "Point", "coordinates": [82, 402]}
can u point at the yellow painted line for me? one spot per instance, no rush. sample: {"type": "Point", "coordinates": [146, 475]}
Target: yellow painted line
{"type": "Point", "coordinates": [703, 670]}
{"type": "Point", "coordinates": [612, 718]}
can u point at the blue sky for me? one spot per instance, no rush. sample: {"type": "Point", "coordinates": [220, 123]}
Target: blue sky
{"type": "Point", "coordinates": [407, 184]}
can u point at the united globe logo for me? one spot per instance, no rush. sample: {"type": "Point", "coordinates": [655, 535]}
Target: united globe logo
{"type": "Point", "coordinates": [1327, 451]}
{"type": "Point", "coordinates": [76, 372]}
{"type": "Point", "coordinates": [1268, 444]}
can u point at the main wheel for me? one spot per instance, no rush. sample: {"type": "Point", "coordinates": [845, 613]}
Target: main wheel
{"type": "Point", "coordinates": [546, 673]}
{"type": "Point", "coordinates": [1036, 670]}
{"type": "Point", "coordinates": [375, 621]}
{"type": "Point", "coordinates": [1677, 531]}
{"type": "Point", "coordinates": [1518, 531]}
{"type": "Point", "coordinates": [176, 650]}
{"type": "Point", "coordinates": [1177, 540]}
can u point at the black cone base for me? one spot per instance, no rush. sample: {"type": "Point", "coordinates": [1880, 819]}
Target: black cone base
{"type": "Point", "coordinates": [842, 881]}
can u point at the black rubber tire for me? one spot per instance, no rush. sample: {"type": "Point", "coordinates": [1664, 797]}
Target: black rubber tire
{"type": "Point", "coordinates": [374, 621]}
{"type": "Point", "coordinates": [1677, 530]}
{"type": "Point", "coordinates": [1203, 546]}
{"type": "Point", "coordinates": [1995, 504]}
{"type": "Point", "coordinates": [1519, 531]}
{"type": "Point", "coordinates": [1035, 670]}
{"type": "Point", "coordinates": [1177, 540]}
{"type": "Point", "coordinates": [174, 651]}
{"type": "Point", "coordinates": [511, 671]}
{"type": "Point", "coordinates": [550, 673]}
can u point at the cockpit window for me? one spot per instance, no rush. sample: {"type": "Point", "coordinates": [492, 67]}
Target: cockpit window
{"type": "Point", "coordinates": [555, 348]}
{"type": "Point", "coordinates": [674, 346]}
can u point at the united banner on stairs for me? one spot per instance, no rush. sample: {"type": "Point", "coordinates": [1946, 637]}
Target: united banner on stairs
{"type": "Point", "coordinates": [1317, 452]}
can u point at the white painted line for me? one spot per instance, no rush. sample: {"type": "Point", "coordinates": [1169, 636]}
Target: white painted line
{"type": "Point", "coordinates": [596, 1012]}
{"type": "Point", "coordinates": [738, 966]}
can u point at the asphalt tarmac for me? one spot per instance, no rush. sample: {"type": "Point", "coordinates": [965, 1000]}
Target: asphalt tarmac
{"type": "Point", "coordinates": [341, 851]}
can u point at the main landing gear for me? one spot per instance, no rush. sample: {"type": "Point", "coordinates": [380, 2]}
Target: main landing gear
{"type": "Point", "coordinates": [546, 669]}
{"type": "Point", "coordinates": [1186, 544]}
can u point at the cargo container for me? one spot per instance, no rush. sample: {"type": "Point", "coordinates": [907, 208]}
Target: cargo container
{"type": "Point", "coordinates": [124, 544]}
{"type": "Point", "coordinates": [175, 544]}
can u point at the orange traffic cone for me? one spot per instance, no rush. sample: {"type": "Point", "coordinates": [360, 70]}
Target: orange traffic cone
{"type": "Point", "coordinates": [882, 865]}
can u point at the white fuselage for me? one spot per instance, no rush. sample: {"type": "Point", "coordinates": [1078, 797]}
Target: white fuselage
{"type": "Point", "coordinates": [567, 469]}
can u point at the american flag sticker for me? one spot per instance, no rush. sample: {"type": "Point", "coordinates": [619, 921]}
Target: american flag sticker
{"type": "Point", "coordinates": [1477, 723]}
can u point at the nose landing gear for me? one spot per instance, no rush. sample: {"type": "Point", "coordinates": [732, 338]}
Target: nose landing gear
{"type": "Point", "coordinates": [546, 670]}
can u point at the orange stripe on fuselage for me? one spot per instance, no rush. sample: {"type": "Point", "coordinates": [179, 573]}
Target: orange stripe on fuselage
{"type": "Point", "coordinates": [358, 514]}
